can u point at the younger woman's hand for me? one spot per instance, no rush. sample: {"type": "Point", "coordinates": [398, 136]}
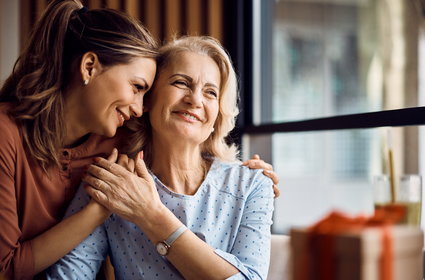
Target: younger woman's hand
{"type": "Point", "coordinates": [256, 163]}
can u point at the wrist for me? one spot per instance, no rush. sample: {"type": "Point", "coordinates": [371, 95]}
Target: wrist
{"type": "Point", "coordinates": [161, 224]}
{"type": "Point", "coordinates": [97, 211]}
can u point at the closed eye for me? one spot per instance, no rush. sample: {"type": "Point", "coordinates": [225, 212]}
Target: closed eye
{"type": "Point", "coordinates": [140, 88]}
{"type": "Point", "coordinates": [181, 83]}
{"type": "Point", "coordinates": [212, 93]}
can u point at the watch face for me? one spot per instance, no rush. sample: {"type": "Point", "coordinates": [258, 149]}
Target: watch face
{"type": "Point", "coordinates": [162, 249]}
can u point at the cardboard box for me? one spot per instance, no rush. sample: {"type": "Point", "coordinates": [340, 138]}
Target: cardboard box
{"type": "Point", "coordinates": [356, 254]}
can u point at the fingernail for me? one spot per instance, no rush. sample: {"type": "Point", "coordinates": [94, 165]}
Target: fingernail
{"type": "Point", "coordinates": [141, 155]}
{"type": "Point", "coordinates": [96, 159]}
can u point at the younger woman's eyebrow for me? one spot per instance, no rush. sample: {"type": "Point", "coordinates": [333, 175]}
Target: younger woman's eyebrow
{"type": "Point", "coordinates": [143, 81]}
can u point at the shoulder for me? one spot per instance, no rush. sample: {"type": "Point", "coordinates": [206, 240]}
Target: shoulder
{"type": "Point", "coordinates": [6, 121]}
{"type": "Point", "coordinates": [239, 180]}
{"type": "Point", "coordinates": [10, 140]}
{"type": "Point", "coordinates": [9, 128]}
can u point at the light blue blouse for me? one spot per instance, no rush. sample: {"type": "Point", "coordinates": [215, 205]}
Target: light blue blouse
{"type": "Point", "coordinates": [231, 211]}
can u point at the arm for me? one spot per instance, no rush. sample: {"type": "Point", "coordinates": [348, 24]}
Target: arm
{"type": "Point", "coordinates": [69, 232]}
{"type": "Point", "coordinates": [135, 198]}
{"type": "Point", "coordinates": [85, 260]}
{"type": "Point", "coordinates": [60, 239]}
{"type": "Point", "coordinates": [251, 250]}
{"type": "Point", "coordinates": [250, 254]}
{"type": "Point", "coordinates": [25, 258]}
{"type": "Point", "coordinates": [73, 229]}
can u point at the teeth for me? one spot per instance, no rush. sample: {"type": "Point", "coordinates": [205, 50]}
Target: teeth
{"type": "Point", "coordinates": [122, 117]}
{"type": "Point", "coordinates": [189, 116]}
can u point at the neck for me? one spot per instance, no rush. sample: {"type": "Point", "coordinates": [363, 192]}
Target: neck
{"type": "Point", "coordinates": [180, 169]}
{"type": "Point", "coordinates": [74, 131]}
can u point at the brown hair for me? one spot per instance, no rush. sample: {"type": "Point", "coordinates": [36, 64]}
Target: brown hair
{"type": "Point", "coordinates": [215, 145]}
{"type": "Point", "coordinates": [44, 69]}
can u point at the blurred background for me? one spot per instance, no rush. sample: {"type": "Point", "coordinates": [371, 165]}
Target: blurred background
{"type": "Point", "coordinates": [297, 60]}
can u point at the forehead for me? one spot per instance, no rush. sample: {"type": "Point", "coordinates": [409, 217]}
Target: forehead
{"type": "Point", "coordinates": [194, 65]}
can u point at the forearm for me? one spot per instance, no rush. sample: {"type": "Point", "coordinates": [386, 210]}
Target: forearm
{"type": "Point", "coordinates": [190, 255]}
{"type": "Point", "coordinates": [53, 244]}
{"type": "Point", "coordinates": [204, 262]}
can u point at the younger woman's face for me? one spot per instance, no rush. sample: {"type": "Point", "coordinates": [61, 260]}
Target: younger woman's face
{"type": "Point", "coordinates": [116, 94]}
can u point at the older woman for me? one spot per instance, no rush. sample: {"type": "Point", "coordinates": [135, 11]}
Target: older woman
{"type": "Point", "coordinates": [201, 215]}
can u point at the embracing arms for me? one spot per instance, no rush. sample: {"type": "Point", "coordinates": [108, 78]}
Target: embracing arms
{"type": "Point", "coordinates": [27, 247]}
{"type": "Point", "coordinates": [135, 198]}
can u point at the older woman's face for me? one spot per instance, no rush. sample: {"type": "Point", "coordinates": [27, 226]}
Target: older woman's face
{"type": "Point", "coordinates": [185, 98]}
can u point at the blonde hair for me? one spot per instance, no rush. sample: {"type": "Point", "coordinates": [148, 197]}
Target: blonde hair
{"type": "Point", "coordinates": [215, 145]}
{"type": "Point", "coordinates": [47, 65]}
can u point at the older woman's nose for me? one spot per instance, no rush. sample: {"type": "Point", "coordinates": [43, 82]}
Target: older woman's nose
{"type": "Point", "coordinates": [194, 97]}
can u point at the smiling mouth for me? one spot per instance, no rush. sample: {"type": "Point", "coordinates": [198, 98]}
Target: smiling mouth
{"type": "Point", "coordinates": [122, 118]}
{"type": "Point", "coordinates": [189, 116]}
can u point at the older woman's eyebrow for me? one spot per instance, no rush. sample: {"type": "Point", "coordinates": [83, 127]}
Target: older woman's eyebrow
{"type": "Point", "coordinates": [191, 80]}
{"type": "Point", "coordinates": [182, 75]}
{"type": "Point", "coordinates": [211, 85]}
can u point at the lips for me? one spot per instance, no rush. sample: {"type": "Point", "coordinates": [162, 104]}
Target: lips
{"type": "Point", "coordinates": [188, 116]}
{"type": "Point", "coordinates": [122, 118]}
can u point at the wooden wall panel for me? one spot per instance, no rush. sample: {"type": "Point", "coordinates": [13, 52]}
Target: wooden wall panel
{"type": "Point", "coordinates": [40, 6]}
{"type": "Point", "coordinates": [153, 17]}
{"type": "Point", "coordinates": [94, 4]}
{"type": "Point", "coordinates": [163, 18]}
{"type": "Point", "coordinates": [27, 20]}
{"type": "Point", "coordinates": [172, 19]}
{"type": "Point", "coordinates": [132, 7]}
{"type": "Point", "coordinates": [193, 17]}
{"type": "Point", "coordinates": [215, 19]}
{"type": "Point", "coordinates": [113, 4]}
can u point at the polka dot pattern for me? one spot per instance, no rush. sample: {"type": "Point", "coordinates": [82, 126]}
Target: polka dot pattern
{"type": "Point", "coordinates": [231, 211]}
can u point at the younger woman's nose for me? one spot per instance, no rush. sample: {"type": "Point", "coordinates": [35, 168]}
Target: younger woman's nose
{"type": "Point", "coordinates": [136, 109]}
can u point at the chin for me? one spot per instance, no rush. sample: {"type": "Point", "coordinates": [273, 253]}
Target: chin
{"type": "Point", "coordinates": [110, 132]}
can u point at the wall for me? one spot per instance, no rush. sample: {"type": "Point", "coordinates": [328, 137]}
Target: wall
{"type": "Point", "coordinates": [164, 18]}
{"type": "Point", "coordinates": [9, 36]}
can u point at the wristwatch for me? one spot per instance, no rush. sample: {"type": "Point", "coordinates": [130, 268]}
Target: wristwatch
{"type": "Point", "coordinates": [163, 247]}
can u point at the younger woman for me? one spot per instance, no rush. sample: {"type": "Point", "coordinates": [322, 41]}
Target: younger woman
{"type": "Point", "coordinates": [82, 75]}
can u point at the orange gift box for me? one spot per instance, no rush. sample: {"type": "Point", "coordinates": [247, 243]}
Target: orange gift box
{"type": "Point", "coordinates": [360, 248]}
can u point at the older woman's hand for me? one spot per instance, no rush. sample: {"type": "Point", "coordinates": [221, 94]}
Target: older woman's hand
{"type": "Point", "coordinates": [256, 163]}
{"type": "Point", "coordinates": [113, 157]}
{"type": "Point", "coordinates": [132, 195]}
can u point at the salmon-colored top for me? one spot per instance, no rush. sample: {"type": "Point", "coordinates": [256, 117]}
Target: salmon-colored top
{"type": "Point", "coordinates": [32, 201]}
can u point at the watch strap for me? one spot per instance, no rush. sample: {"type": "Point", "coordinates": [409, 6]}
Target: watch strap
{"type": "Point", "coordinates": [176, 234]}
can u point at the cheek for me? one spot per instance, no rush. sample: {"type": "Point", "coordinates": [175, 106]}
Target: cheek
{"type": "Point", "coordinates": [213, 112]}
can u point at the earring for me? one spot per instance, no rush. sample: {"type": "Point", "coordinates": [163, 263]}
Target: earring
{"type": "Point", "coordinates": [86, 82]}
{"type": "Point", "coordinates": [212, 130]}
